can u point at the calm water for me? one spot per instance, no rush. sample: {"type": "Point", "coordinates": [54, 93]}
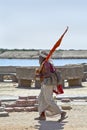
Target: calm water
{"type": "Point", "coordinates": [35, 62]}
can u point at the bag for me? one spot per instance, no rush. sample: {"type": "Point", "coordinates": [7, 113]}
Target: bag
{"type": "Point", "coordinates": [57, 73]}
{"type": "Point", "coordinates": [59, 90]}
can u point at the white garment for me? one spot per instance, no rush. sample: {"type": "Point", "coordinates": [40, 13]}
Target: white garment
{"type": "Point", "coordinates": [46, 101]}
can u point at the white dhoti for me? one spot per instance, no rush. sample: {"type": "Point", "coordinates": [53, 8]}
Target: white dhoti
{"type": "Point", "coordinates": [46, 101]}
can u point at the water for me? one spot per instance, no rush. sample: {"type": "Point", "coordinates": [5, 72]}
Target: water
{"type": "Point", "coordinates": [35, 62]}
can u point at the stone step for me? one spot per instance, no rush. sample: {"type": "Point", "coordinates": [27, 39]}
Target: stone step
{"type": "Point", "coordinates": [30, 109]}
{"type": "Point", "coordinates": [22, 103]}
{"type": "Point", "coordinates": [9, 109]}
{"type": "Point", "coordinates": [0, 102]}
{"type": "Point", "coordinates": [4, 114]}
{"type": "Point", "coordinates": [2, 109]}
{"type": "Point", "coordinates": [21, 109]}
{"type": "Point", "coordinates": [25, 103]}
{"type": "Point", "coordinates": [27, 97]}
{"type": "Point", "coordinates": [65, 100]}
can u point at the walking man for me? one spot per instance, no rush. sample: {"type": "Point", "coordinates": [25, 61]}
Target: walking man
{"type": "Point", "coordinates": [46, 103]}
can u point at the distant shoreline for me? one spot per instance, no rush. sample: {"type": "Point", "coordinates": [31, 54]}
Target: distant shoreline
{"type": "Point", "coordinates": [34, 54]}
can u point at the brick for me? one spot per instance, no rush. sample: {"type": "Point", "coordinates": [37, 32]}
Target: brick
{"type": "Point", "coordinates": [21, 105]}
{"type": "Point", "coordinates": [65, 100]}
{"type": "Point", "coordinates": [19, 109]}
{"type": "Point", "coordinates": [27, 97]}
{"type": "Point", "coordinates": [30, 109]}
{"type": "Point", "coordinates": [11, 105]}
{"type": "Point", "coordinates": [9, 109]}
{"type": "Point", "coordinates": [23, 97]}
{"type": "Point", "coordinates": [21, 101]}
{"type": "Point", "coordinates": [31, 102]}
{"type": "Point", "coordinates": [32, 97]}
{"type": "Point", "coordinates": [26, 103]}
{"type": "Point", "coordinates": [35, 108]}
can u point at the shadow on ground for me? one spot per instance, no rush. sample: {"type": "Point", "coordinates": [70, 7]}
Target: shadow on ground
{"type": "Point", "coordinates": [50, 125]}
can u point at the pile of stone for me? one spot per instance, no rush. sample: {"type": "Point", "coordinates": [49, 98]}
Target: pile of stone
{"type": "Point", "coordinates": [22, 104]}
{"type": "Point", "coordinates": [25, 104]}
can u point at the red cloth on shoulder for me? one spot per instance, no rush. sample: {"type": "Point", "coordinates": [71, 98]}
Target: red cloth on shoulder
{"type": "Point", "coordinates": [59, 90]}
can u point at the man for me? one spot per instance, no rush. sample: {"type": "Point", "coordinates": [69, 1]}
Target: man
{"type": "Point", "coordinates": [46, 103]}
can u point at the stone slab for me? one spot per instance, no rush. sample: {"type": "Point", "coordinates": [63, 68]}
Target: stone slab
{"type": "Point", "coordinates": [4, 114]}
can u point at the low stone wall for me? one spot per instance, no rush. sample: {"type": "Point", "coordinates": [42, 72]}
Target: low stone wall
{"type": "Point", "coordinates": [72, 73]}
{"type": "Point", "coordinates": [8, 73]}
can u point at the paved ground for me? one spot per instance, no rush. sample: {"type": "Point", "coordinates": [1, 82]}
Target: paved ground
{"type": "Point", "coordinates": [77, 116]}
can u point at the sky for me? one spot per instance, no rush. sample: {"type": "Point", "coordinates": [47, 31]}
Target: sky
{"type": "Point", "coordinates": [38, 24]}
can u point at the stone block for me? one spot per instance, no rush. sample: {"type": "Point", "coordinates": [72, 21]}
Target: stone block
{"type": "Point", "coordinates": [32, 102]}
{"type": "Point", "coordinates": [30, 109]}
{"type": "Point", "coordinates": [23, 97]}
{"type": "Point", "coordinates": [75, 82]}
{"type": "Point", "coordinates": [19, 109]}
{"type": "Point", "coordinates": [72, 73]}
{"type": "Point", "coordinates": [9, 109]}
{"type": "Point", "coordinates": [66, 107]}
{"type": "Point", "coordinates": [65, 100]}
{"type": "Point", "coordinates": [4, 114]}
{"type": "Point", "coordinates": [32, 97]}
{"type": "Point", "coordinates": [24, 83]}
{"type": "Point", "coordinates": [27, 97]}
{"type": "Point", "coordinates": [11, 104]}
{"type": "Point", "coordinates": [21, 103]}
{"type": "Point", "coordinates": [25, 103]}
{"type": "Point", "coordinates": [25, 73]}
{"type": "Point", "coordinates": [2, 109]}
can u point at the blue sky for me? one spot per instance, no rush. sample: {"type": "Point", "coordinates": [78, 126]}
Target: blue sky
{"type": "Point", "coordinates": [38, 24]}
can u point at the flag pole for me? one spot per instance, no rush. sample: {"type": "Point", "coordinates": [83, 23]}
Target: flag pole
{"type": "Point", "coordinates": [57, 44]}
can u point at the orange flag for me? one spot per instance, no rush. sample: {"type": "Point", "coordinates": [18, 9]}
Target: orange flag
{"type": "Point", "coordinates": [56, 45]}
{"type": "Point", "coordinates": [53, 48]}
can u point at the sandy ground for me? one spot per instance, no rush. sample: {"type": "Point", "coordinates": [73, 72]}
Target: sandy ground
{"type": "Point", "coordinates": [77, 120]}
{"type": "Point", "coordinates": [77, 116]}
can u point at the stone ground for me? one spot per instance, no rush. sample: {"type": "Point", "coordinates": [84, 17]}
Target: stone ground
{"type": "Point", "coordinates": [77, 116]}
